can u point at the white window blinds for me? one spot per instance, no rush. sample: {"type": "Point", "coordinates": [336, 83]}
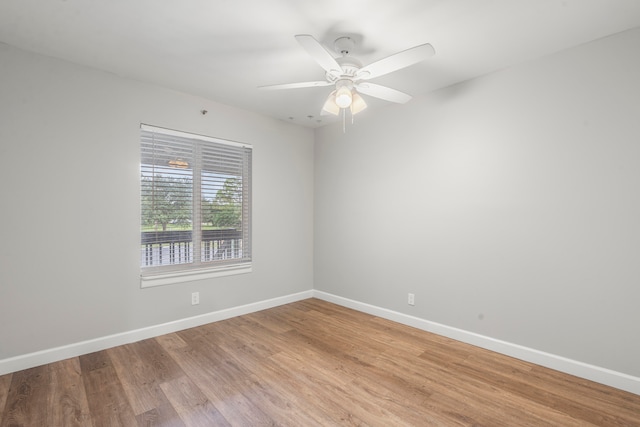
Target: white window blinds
{"type": "Point", "coordinates": [195, 198]}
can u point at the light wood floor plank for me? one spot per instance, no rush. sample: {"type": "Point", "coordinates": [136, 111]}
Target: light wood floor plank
{"type": "Point", "coordinates": [309, 384]}
{"type": "Point", "coordinates": [297, 393]}
{"type": "Point", "coordinates": [220, 381]}
{"type": "Point", "coordinates": [27, 401]}
{"type": "Point", "coordinates": [191, 404]}
{"type": "Point", "coordinates": [5, 383]}
{"type": "Point", "coordinates": [67, 395]}
{"type": "Point", "coordinates": [309, 363]}
{"type": "Point", "coordinates": [107, 400]}
{"type": "Point", "coordinates": [141, 368]}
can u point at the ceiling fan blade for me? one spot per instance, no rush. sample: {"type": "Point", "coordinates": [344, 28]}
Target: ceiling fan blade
{"type": "Point", "coordinates": [295, 85]}
{"type": "Point", "coordinates": [319, 53]}
{"type": "Point", "coordinates": [383, 92]}
{"type": "Point", "coordinates": [396, 61]}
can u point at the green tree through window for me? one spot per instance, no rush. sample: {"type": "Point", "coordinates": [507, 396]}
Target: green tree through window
{"type": "Point", "coordinates": [166, 200]}
{"type": "Point", "coordinates": [225, 210]}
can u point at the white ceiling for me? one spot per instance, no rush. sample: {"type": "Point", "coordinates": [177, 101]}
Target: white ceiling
{"type": "Point", "coordinates": [224, 49]}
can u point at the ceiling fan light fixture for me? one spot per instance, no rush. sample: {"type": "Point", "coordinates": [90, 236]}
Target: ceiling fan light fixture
{"type": "Point", "coordinates": [343, 96]}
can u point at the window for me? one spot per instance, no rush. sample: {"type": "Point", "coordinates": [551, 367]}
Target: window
{"type": "Point", "coordinates": [195, 198]}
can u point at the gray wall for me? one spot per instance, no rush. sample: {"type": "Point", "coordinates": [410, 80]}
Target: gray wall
{"type": "Point", "coordinates": [69, 247]}
{"type": "Point", "coordinates": [509, 205]}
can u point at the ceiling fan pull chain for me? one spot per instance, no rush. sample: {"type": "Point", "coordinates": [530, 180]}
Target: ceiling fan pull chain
{"type": "Point", "coordinates": [344, 120]}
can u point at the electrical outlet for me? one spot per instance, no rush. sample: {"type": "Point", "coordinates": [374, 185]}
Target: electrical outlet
{"type": "Point", "coordinates": [195, 298]}
{"type": "Point", "coordinates": [412, 299]}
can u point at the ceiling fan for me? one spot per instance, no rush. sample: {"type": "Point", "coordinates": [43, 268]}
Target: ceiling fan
{"type": "Point", "coordinates": [350, 77]}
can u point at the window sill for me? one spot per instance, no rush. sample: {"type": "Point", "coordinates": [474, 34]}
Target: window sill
{"type": "Point", "coordinates": [191, 275]}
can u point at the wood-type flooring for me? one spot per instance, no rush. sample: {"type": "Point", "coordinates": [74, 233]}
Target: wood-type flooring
{"type": "Point", "coordinates": [309, 363]}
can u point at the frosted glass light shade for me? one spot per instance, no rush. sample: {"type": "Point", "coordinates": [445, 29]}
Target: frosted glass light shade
{"type": "Point", "coordinates": [343, 97]}
{"type": "Point", "coordinates": [357, 103]}
{"type": "Point", "coordinates": [330, 105]}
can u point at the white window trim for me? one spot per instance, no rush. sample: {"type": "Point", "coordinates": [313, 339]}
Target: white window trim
{"type": "Point", "coordinates": [152, 279]}
{"type": "Point", "coordinates": [148, 281]}
{"type": "Point", "coordinates": [191, 135]}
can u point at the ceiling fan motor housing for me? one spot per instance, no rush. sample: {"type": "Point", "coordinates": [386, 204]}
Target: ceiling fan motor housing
{"type": "Point", "coordinates": [344, 45]}
{"type": "Point", "coordinates": [350, 67]}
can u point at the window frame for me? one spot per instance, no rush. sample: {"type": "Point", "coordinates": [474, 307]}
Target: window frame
{"type": "Point", "coordinates": [197, 269]}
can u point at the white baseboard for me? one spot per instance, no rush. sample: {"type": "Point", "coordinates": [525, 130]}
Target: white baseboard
{"type": "Point", "coordinates": [579, 369]}
{"type": "Point", "coordinates": [583, 370]}
{"type": "Point", "coordinates": [38, 358]}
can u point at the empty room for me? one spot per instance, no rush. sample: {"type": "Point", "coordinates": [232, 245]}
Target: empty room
{"type": "Point", "coordinates": [319, 213]}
